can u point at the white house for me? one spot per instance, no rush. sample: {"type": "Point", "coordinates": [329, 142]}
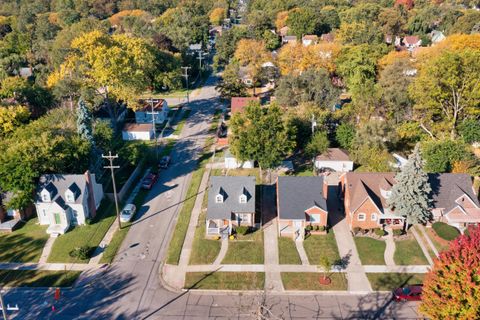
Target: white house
{"type": "Point", "coordinates": [160, 109]}
{"type": "Point", "coordinates": [64, 200]}
{"type": "Point", "coordinates": [134, 131]}
{"type": "Point", "coordinates": [334, 159]}
{"type": "Point", "coordinates": [232, 163]}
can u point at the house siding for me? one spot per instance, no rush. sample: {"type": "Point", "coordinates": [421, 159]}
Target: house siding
{"type": "Point", "coordinates": [368, 207]}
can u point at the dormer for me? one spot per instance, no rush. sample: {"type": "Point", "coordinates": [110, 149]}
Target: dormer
{"type": "Point", "coordinates": [72, 193]}
{"type": "Point", "coordinates": [48, 192]}
{"type": "Point", "coordinates": [220, 197]}
{"type": "Point", "coordinates": [385, 188]}
{"type": "Point", "coordinates": [243, 197]}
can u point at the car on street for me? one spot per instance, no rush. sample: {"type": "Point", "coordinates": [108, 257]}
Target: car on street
{"type": "Point", "coordinates": [408, 293]}
{"type": "Point", "coordinates": [128, 212]}
{"type": "Point", "coordinates": [164, 162]}
{"type": "Point", "coordinates": [149, 181]}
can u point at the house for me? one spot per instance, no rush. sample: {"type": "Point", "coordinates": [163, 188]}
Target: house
{"type": "Point", "coordinates": [408, 4]}
{"type": "Point", "coordinates": [144, 114]}
{"type": "Point", "coordinates": [335, 159]}
{"type": "Point", "coordinates": [134, 131]}
{"type": "Point", "coordinates": [437, 36]}
{"type": "Point", "coordinates": [231, 203]}
{"type": "Point", "coordinates": [232, 163]}
{"type": "Point", "coordinates": [238, 104]}
{"type": "Point", "coordinates": [64, 200]}
{"type": "Point", "coordinates": [301, 201]}
{"type": "Point", "coordinates": [309, 39]}
{"type": "Point", "coordinates": [327, 37]}
{"type": "Point", "coordinates": [245, 76]}
{"type": "Point", "coordinates": [365, 200]}
{"type": "Point", "coordinates": [10, 218]}
{"type": "Point", "coordinates": [454, 200]}
{"type": "Point", "coordinates": [284, 31]}
{"type": "Point", "coordinates": [194, 48]}
{"type": "Point", "coordinates": [111, 114]}
{"type": "Point", "coordinates": [412, 42]}
{"type": "Point", "coordinates": [289, 39]}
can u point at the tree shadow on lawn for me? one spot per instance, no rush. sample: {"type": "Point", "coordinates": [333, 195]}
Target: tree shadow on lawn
{"type": "Point", "coordinates": [20, 248]}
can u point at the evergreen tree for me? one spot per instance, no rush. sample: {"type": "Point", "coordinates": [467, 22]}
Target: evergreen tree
{"type": "Point", "coordinates": [84, 122]}
{"type": "Point", "coordinates": [410, 195]}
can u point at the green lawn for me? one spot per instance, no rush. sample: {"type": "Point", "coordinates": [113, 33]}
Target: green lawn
{"type": "Point", "coordinates": [438, 242]}
{"type": "Point", "coordinates": [183, 219]}
{"type": "Point", "coordinates": [391, 281]}
{"type": "Point", "coordinates": [247, 249]}
{"type": "Point", "coordinates": [408, 252]}
{"type": "Point", "coordinates": [445, 231]}
{"type": "Point", "coordinates": [36, 278]}
{"type": "Point", "coordinates": [317, 246]}
{"type": "Point", "coordinates": [287, 252]}
{"type": "Point", "coordinates": [309, 281]}
{"type": "Point", "coordinates": [204, 251]}
{"type": "Point", "coordinates": [371, 251]}
{"type": "Point", "coordinates": [89, 235]}
{"type": "Point", "coordinates": [24, 244]}
{"type": "Point", "coordinates": [181, 123]}
{"type": "Point", "coordinates": [225, 280]}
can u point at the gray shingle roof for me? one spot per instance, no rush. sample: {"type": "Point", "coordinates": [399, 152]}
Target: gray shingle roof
{"type": "Point", "coordinates": [297, 194]}
{"type": "Point", "coordinates": [448, 187]}
{"type": "Point", "coordinates": [59, 183]}
{"type": "Point", "coordinates": [231, 188]}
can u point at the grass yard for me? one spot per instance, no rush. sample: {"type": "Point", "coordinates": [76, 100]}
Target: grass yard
{"type": "Point", "coordinates": [287, 252]}
{"type": "Point", "coordinates": [247, 249]}
{"type": "Point", "coordinates": [370, 250]}
{"type": "Point", "coordinates": [204, 251]}
{"type": "Point", "coordinates": [445, 231]}
{"type": "Point", "coordinates": [87, 235]}
{"type": "Point", "coordinates": [36, 278]}
{"type": "Point", "coordinates": [225, 280]}
{"type": "Point", "coordinates": [391, 281]}
{"type": "Point", "coordinates": [183, 219]}
{"type": "Point", "coordinates": [408, 252]}
{"type": "Point", "coordinates": [317, 246]}
{"type": "Point", "coordinates": [309, 281]}
{"type": "Point", "coordinates": [245, 172]}
{"type": "Point", "coordinates": [24, 244]}
{"type": "Point", "coordinates": [439, 243]}
{"type": "Point", "coordinates": [181, 123]}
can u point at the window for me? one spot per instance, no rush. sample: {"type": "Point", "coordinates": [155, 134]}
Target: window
{"type": "Point", "coordinates": [243, 198]}
{"type": "Point", "coordinates": [361, 217]}
{"type": "Point", "coordinates": [45, 197]}
{"type": "Point", "coordinates": [374, 217]}
{"type": "Point", "coordinates": [315, 218]}
{"type": "Point", "coordinates": [219, 198]}
{"type": "Point", "coordinates": [44, 212]}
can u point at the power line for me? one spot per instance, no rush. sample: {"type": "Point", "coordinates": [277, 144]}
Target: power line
{"type": "Point", "coordinates": [185, 75]}
{"type": "Point", "coordinates": [200, 58]}
{"type": "Point", "coordinates": [110, 158]}
{"type": "Point", "coordinates": [2, 305]}
{"type": "Point", "coordinates": [154, 113]}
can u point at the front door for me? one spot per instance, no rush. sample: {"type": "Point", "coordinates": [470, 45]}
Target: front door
{"type": "Point", "coordinates": [56, 216]}
{"type": "Point", "coordinates": [298, 229]}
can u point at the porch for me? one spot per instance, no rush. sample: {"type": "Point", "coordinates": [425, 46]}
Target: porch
{"type": "Point", "coordinates": [218, 228]}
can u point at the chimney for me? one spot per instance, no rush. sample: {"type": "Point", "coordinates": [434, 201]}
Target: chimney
{"type": "Point", "coordinates": [91, 194]}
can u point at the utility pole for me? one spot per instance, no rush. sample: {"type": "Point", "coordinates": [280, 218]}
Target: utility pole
{"type": "Point", "coordinates": [110, 158]}
{"type": "Point", "coordinates": [2, 305]}
{"type": "Point", "coordinates": [314, 124]}
{"type": "Point", "coordinates": [200, 58]}
{"type": "Point", "coordinates": [154, 113]}
{"type": "Point", "coordinates": [185, 75]}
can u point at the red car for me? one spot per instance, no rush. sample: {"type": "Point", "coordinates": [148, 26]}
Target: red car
{"type": "Point", "coordinates": [408, 293]}
{"type": "Point", "coordinates": [149, 181]}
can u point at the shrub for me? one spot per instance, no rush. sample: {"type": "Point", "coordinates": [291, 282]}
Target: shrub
{"type": "Point", "coordinates": [445, 231]}
{"type": "Point", "coordinates": [379, 232]}
{"type": "Point", "coordinates": [309, 228]}
{"type": "Point", "coordinates": [356, 230]}
{"type": "Point", "coordinates": [321, 228]}
{"type": "Point", "coordinates": [397, 232]}
{"type": "Point", "coordinates": [241, 229]}
{"type": "Point", "coordinates": [365, 231]}
{"type": "Point", "coordinates": [82, 253]}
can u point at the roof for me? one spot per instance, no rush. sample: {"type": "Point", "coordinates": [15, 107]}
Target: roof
{"type": "Point", "coordinates": [57, 184]}
{"type": "Point", "coordinates": [328, 37]}
{"type": "Point", "coordinates": [334, 154]}
{"type": "Point", "coordinates": [231, 188]}
{"type": "Point", "coordinates": [147, 105]}
{"type": "Point", "coordinates": [137, 127]}
{"type": "Point", "coordinates": [368, 184]}
{"type": "Point", "coordinates": [448, 187]}
{"type": "Point", "coordinates": [238, 104]}
{"type": "Point", "coordinates": [289, 38]}
{"type": "Point", "coordinates": [297, 194]}
{"type": "Point", "coordinates": [411, 39]}
{"type": "Point", "coordinates": [310, 37]}
{"type": "Point", "coordinates": [103, 112]}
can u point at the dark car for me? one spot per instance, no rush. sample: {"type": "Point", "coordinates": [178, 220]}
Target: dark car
{"type": "Point", "coordinates": [164, 162]}
{"type": "Point", "coordinates": [149, 181]}
{"type": "Point", "coordinates": [408, 293]}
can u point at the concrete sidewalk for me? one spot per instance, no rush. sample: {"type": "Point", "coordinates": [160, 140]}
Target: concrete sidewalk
{"type": "Point", "coordinates": [273, 279]}
{"type": "Point", "coordinates": [46, 250]}
{"type": "Point", "coordinates": [389, 249]}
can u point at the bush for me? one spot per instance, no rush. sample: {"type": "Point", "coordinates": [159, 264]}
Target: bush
{"type": "Point", "coordinates": [241, 230]}
{"type": "Point", "coordinates": [379, 232]}
{"type": "Point", "coordinates": [321, 228]}
{"type": "Point", "coordinates": [82, 253]}
{"type": "Point", "coordinates": [397, 232]}
{"type": "Point", "coordinates": [309, 227]}
{"type": "Point", "coordinates": [445, 231]}
{"type": "Point", "coordinates": [365, 231]}
{"type": "Point", "coordinates": [356, 230]}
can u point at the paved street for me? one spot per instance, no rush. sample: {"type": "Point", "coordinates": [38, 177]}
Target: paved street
{"type": "Point", "coordinates": [131, 288]}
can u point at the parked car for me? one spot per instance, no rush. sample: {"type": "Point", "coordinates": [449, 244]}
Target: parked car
{"type": "Point", "coordinates": [164, 162]}
{"type": "Point", "coordinates": [128, 212]}
{"type": "Point", "coordinates": [408, 293]}
{"type": "Point", "coordinates": [149, 181]}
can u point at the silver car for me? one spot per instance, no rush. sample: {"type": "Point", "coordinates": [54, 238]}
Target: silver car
{"type": "Point", "coordinates": [127, 213]}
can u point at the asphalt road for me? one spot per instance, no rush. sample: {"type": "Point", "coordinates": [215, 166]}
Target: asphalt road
{"type": "Point", "coordinates": [130, 288]}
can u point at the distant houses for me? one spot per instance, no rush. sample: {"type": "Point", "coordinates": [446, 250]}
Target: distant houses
{"type": "Point", "coordinates": [238, 104]}
{"type": "Point", "coordinates": [10, 217]}
{"type": "Point", "coordinates": [157, 106]}
{"type": "Point", "coordinates": [136, 131]}
{"type": "Point", "coordinates": [334, 159]}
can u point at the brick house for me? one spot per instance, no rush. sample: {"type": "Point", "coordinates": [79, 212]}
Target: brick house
{"type": "Point", "coordinates": [238, 104]}
{"type": "Point", "coordinates": [301, 201]}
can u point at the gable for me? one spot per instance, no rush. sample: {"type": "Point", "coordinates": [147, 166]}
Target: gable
{"type": "Point", "coordinates": [315, 210]}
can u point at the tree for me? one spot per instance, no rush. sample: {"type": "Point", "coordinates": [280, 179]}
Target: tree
{"type": "Point", "coordinates": [301, 21]}
{"type": "Point", "coordinates": [272, 41]}
{"type": "Point", "coordinates": [84, 122]}
{"type": "Point", "coordinates": [252, 54]}
{"type": "Point", "coordinates": [318, 144]}
{"type": "Point", "coordinates": [262, 135]}
{"type": "Point", "coordinates": [325, 265]}
{"type": "Point", "coordinates": [230, 85]}
{"type": "Point", "coordinates": [357, 33]}
{"type": "Point", "coordinates": [410, 196]}
{"type": "Point", "coordinates": [392, 21]}
{"type": "Point", "coordinates": [447, 91]}
{"type": "Point", "coordinates": [345, 134]}
{"type": "Point", "coordinates": [452, 287]}
{"type": "Point", "coordinates": [470, 130]}
{"type": "Point", "coordinates": [216, 16]}
{"type": "Point", "coordinates": [296, 58]}
{"type": "Point", "coordinates": [11, 117]}
{"type": "Point", "coordinates": [441, 155]}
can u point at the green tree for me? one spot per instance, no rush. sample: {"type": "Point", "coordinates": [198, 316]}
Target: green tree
{"type": "Point", "coordinates": [11, 117]}
{"type": "Point", "coordinates": [230, 85]}
{"type": "Point", "coordinates": [84, 122]}
{"type": "Point", "coordinates": [262, 135]}
{"type": "Point", "coordinates": [470, 130]}
{"type": "Point", "coordinates": [345, 134]}
{"type": "Point", "coordinates": [441, 155]}
{"type": "Point", "coordinates": [301, 21]}
{"type": "Point", "coordinates": [318, 144]}
{"type": "Point", "coordinates": [410, 196]}
{"type": "Point", "coordinates": [272, 41]}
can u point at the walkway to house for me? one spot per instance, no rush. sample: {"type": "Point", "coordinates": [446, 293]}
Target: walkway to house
{"type": "Point", "coordinates": [422, 245]}
{"type": "Point", "coordinates": [427, 238]}
{"type": "Point", "coordinates": [46, 250]}
{"type": "Point", "coordinates": [301, 252]}
{"type": "Point", "coordinates": [389, 249]}
{"type": "Point", "coordinates": [223, 252]}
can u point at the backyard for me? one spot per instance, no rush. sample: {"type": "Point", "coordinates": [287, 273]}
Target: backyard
{"type": "Point", "coordinates": [247, 249]}
{"type": "Point", "coordinates": [371, 251]}
{"type": "Point", "coordinates": [225, 280]}
{"type": "Point", "coordinates": [310, 281]}
{"type": "Point", "coordinates": [24, 244]}
{"type": "Point", "coordinates": [317, 246]}
{"type": "Point", "coordinates": [408, 252]}
{"type": "Point", "coordinates": [391, 281]}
